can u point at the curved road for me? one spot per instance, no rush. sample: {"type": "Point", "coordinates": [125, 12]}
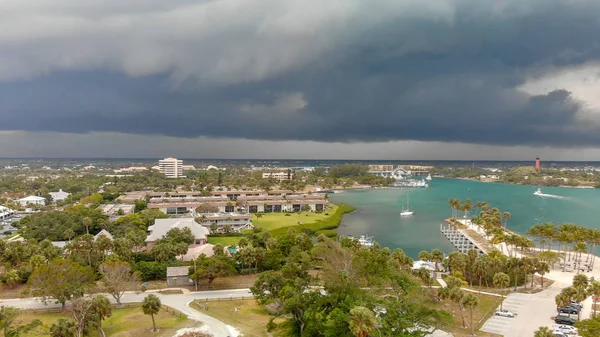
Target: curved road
{"type": "Point", "coordinates": [176, 301]}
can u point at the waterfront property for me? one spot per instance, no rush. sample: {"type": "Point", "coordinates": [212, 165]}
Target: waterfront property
{"type": "Point", "coordinates": [162, 226]}
{"type": "Point", "coordinates": [236, 221]}
{"type": "Point", "coordinates": [184, 203]}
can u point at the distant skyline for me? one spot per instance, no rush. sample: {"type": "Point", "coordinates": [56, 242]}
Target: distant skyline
{"type": "Point", "coordinates": [351, 79]}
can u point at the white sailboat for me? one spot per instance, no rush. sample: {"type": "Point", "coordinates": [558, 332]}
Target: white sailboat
{"type": "Point", "coordinates": [428, 177]}
{"type": "Point", "coordinates": [407, 211]}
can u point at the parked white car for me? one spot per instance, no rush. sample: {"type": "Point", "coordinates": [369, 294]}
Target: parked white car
{"type": "Point", "coordinates": [504, 313]}
{"type": "Point", "coordinates": [566, 329]}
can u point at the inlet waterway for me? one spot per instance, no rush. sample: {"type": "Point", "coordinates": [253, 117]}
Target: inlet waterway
{"type": "Point", "coordinates": [378, 210]}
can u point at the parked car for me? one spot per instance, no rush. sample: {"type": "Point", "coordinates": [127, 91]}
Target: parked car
{"type": "Point", "coordinates": [568, 310]}
{"type": "Point", "coordinates": [504, 313]}
{"type": "Point", "coordinates": [566, 329]}
{"type": "Point", "coordinates": [564, 320]}
{"type": "Point", "coordinates": [577, 305]}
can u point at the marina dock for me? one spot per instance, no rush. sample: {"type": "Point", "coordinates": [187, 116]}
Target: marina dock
{"type": "Point", "coordinates": [462, 240]}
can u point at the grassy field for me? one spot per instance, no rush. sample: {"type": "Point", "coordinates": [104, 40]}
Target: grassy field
{"type": "Point", "coordinates": [250, 318]}
{"type": "Point", "coordinates": [224, 240]}
{"type": "Point", "coordinates": [271, 221]}
{"type": "Point", "coordinates": [480, 314]}
{"type": "Point", "coordinates": [127, 322]}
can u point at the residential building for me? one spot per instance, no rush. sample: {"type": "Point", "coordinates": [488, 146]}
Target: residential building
{"type": "Point", "coordinates": [279, 176]}
{"type": "Point", "coordinates": [236, 221]}
{"type": "Point", "coordinates": [131, 169]}
{"type": "Point", "coordinates": [104, 233]}
{"type": "Point", "coordinates": [381, 167]}
{"type": "Point", "coordinates": [188, 167]}
{"type": "Point", "coordinates": [59, 196]}
{"type": "Point", "coordinates": [179, 276]}
{"type": "Point", "coordinates": [245, 204]}
{"type": "Point", "coordinates": [162, 226]}
{"type": "Point", "coordinates": [113, 209]}
{"type": "Point", "coordinates": [171, 167]}
{"type": "Point", "coordinates": [32, 200]}
{"type": "Point", "coordinates": [6, 213]}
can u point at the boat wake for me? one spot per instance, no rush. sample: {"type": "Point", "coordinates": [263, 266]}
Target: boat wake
{"type": "Point", "coordinates": [544, 195]}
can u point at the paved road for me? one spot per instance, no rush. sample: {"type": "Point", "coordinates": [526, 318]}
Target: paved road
{"type": "Point", "coordinates": [177, 301]}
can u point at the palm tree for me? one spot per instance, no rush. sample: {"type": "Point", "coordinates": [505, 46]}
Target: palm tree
{"type": "Point", "coordinates": [424, 255]}
{"type": "Point", "coordinates": [501, 281]}
{"type": "Point", "coordinates": [514, 264]}
{"type": "Point", "coordinates": [436, 256]}
{"type": "Point", "coordinates": [506, 216]}
{"type": "Point", "coordinates": [563, 300]}
{"type": "Point", "coordinates": [542, 268]}
{"type": "Point", "coordinates": [467, 207]}
{"type": "Point", "coordinates": [151, 306]}
{"type": "Point", "coordinates": [580, 281]}
{"type": "Point", "coordinates": [362, 321]}
{"type": "Point", "coordinates": [87, 222]}
{"type": "Point", "coordinates": [471, 301]}
{"type": "Point", "coordinates": [543, 331]}
{"type": "Point", "coordinates": [594, 291]}
{"type": "Point", "coordinates": [579, 249]}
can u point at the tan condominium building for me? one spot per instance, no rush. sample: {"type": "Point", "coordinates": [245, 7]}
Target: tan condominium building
{"type": "Point", "coordinates": [279, 176]}
{"type": "Point", "coordinates": [171, 167]}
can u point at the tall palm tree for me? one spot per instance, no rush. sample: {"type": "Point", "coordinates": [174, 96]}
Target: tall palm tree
{"type": "Point", "coordinates": [437, 256]}
{"type": "Point", "coordinates": [362, 321]}
{"type": "Point", "coordinates": [542, 268]}
{"type": "Point", "coordinates": [506, 216]}
{"type": "Point", "coordinates": [594, 291]}
{"type": "Point", "coordinates": [579, 249]}
{"type": "Point", "coordinates": [467, 207]}
{"type": "Point", "coordinates": [470, 301]}
{"type": "Point", "coordinates": [514, 265]}
{"type": "Point", "coordinates": [501, 281]}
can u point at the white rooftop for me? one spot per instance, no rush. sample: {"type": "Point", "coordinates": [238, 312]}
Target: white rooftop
{"type": "Point", "coordinates": [162, 226]}
{"type": "Point", "coordinates": [31, 198]}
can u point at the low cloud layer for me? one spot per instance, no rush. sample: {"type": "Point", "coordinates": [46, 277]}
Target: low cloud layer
{"type": "Point", "coordinates": [302, 70]}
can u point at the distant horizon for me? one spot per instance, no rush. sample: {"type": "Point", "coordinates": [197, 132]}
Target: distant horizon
{"type": "Point", "coordinates": [542, 161]}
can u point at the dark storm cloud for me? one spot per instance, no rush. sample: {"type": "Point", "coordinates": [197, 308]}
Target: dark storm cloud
{"type": "Point", "coordinates": [341, 71]}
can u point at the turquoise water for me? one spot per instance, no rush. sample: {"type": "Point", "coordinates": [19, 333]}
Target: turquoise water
{"type": "Point", "coordinates": [378, 211]}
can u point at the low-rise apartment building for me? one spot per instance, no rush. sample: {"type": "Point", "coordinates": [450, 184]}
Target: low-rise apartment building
{"type": "Point", "coordinates": [279, 176]}
{"type": "Point", "coordinates": [244, 204]}
{"type": "Point", "coordinates": [236, 221]}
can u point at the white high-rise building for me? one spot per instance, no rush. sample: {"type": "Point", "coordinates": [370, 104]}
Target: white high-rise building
{"type": "Point", "coordinates": [171, 167]}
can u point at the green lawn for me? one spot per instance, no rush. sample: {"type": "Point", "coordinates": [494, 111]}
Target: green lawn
{"type": "Point", "coordinates": [271, 221]}
{"type": "Point", "coordinates": [245, 315]}
{"type": "Point", "coordinates": [224, 240]}
{"type": "Point", "coordinates": [126, 322]}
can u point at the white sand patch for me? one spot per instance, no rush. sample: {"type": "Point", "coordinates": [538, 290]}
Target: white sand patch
{"type": "Point", "coordinates": [203, 328]}
{"type": "Point", "coordinates": [233, 331]}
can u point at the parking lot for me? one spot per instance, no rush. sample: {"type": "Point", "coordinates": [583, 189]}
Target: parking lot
{"type": "Point", "coordinates": [532, 311]}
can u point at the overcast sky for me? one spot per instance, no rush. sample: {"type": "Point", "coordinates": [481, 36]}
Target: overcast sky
{"type": "Point", "coordinates": [340, 79]}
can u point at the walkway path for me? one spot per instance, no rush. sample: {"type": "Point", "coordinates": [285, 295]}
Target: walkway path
{"type": "Point", "coordinates": [176, 301]}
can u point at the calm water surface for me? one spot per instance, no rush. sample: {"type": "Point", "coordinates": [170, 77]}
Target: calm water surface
{"type": "Point", "coordinates": [378, 211]}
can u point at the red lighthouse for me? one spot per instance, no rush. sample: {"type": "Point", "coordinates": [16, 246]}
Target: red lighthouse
{"type": "Point", "coordinates": [537, 164]}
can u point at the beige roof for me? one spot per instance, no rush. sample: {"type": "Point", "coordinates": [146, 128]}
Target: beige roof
{"type": "Point", "coordinates": [194, 252]}
{"type": "Point", "coordinates": [162, 226]}
{"type": "Point", "coordinates": [178, 271]}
